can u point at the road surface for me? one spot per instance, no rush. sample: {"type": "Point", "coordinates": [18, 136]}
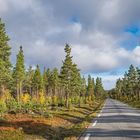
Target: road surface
{"type": "Point", "coordinates": [116, 121]}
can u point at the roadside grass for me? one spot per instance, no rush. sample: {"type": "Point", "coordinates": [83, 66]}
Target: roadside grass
{"type": "Point", "coordinates": [135, 104]}
{"type": "Point", "coordinates": [56, 124]}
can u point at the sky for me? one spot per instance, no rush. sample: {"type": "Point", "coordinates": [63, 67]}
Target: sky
{"type": "Point", "coordinates": [104, 34]}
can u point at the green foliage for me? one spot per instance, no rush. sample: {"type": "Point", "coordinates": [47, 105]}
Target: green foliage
{"type": "Point", "coordinates": [28, 80]}
{"type": "Point", "coordinates": [50, 88]}
{"type": "Point", "coordinates": [20, 68]}
{"type": "Point", "coordinates": [37, 82]}
{"type": "Point", "coordinates": [99, 91]}
{"type": "Point", "coordinates": [19, 74]}
{"type": "Point", "coordinates": [13, 105]}
{"type": "Point", "coordinates": [3, 107]}
{"type": "Point", "coordinates": [90, 87]}
{"type": "Point", "coordinates": [128, 88]}
{"type": "Point", "coordinates": [5, 64]}
{"type": "Point", "coordinates": [70, 76]}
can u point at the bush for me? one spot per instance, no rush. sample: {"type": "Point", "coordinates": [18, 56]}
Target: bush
{"type": "Point", "coordinates": [13, 105]}
{"type": "Point", "coordinates": [3, 107]}
{"type": "Point", "coordinates": [25, 98]}
{"type": "Point", "coordinates": [49, 100]}
{"type": "Point", "coordinates": [54, 101]}
{"type": "Point", "coordinates": [61, 101]}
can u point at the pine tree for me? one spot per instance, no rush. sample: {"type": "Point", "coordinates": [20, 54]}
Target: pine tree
{"type": "Point", "coordinates": [37, 82]}
{"type": "Point", "coordinates": [138, 83]}
{"type": "Point", "coordinates": [90, 87]}
{"type": "Point", "coordinates": [69, 75]}
{"type": "Point", "coordinates": [83, 89]}
{"type": "Point", "coordinates": [66, 73]}
{"type": "Point", "coordinates": [28, 80]}
{"type": "Point", "coordinates": [128, 88]}
{"type": "Point", "coordinates": [131, 81]}
{"type": "Point", "coordinates": [5, 64]}
{"type": "Point", "coordinates": [45, 81]}
{"type": "Point", "coordinates": [48, 84]}
{"type": "Point", "coordinates": [83, 86]}
{"type": "Point", "coordinates": [19, 74]}
{"type": "Point", "coordinates": [54, 81]}
{"type": "Point", "coordinates": [99, 91]}
{"type": "Point", "coordinates": [119, 88]}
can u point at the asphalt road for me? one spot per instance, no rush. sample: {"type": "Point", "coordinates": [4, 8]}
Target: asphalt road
{"type": "Point", "coordinates": [116, 121]}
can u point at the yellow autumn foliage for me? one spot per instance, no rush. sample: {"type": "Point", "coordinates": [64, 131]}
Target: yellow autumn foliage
{"type": "Point", "coordinates": [25, 98]}
{"type": "Point", "coordinates": [41, 98]}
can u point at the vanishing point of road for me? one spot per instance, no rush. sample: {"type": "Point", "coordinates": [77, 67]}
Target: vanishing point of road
{"type": "Point", "coordinates": [116, 121]}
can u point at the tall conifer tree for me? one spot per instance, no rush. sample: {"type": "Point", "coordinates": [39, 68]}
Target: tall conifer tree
{"type": "Point", "coordinates": [19, 74]}
{"type": "Point", "coordinates": [37, 82]}
{"type": "Point", "coordinates": [5, 64]}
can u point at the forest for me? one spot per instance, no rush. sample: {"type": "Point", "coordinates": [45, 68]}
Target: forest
{"type": "Point", "coordinates": [20, 85]}
{"type": "Point", "coordinates": [43, 93]}
{"type": "Point", "coordinates": [128, 88]}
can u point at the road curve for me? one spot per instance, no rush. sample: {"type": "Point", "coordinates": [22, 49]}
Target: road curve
{"type": "Point", "coordinates": [116, 121]}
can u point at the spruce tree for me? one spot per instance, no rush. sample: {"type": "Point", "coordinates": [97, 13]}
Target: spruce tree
{"type": "Point", "coordinates": [131, 81]}
{"type": "Point", "coordinates": [119, 88]}
{"type": "Point", "coordinates": [37, 82]}
{"type": "Point", "coordinates": [45, 81]}
{"type": "Point", "coordinates": [138, 83]}
{"type": "Point", "coordinates": [28, 80]}
{"type": "Point", "coordinates": [66, 74]}
{"type": "Point", "coordinates": [70, 77]}
{"type": "Point", "coordinates": [99, 91]}
{"type": "Point", "coordinates": [54, 81]}
{"type": "Point", "coordinates": [90, 87]}
{"type": "Point", "coordinates": [48, 84]}
{"type": "Point", "coordinates": [5, 64]}
{"type": "Point", "coordinates": [19, 74]}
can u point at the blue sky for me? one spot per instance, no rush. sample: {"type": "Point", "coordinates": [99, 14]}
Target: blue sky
{"type": "Point", "coordinates": [104, 35]}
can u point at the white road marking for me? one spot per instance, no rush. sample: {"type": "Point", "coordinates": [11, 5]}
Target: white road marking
{"type": "Point", "coordinates": [87, 136]}
{"type": "Point", "coordinates": [99, 115]}
{"type": "Point", "coordinates": [94, 123]}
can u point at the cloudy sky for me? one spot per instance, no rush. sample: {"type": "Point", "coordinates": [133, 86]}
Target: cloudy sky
{"type": "Point", "coordinates": [104, 34]}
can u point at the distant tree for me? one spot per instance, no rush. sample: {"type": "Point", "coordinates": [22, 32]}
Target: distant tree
{"type": "Point", "coordinates": [119, 88]}
{"type": "Point", "coordinates": [5, 65]}
{"type": "Point", "coordinates": [99, 91]}
{"type": "Point", "coordinates": [138, 84]}
{"type": "Point", "coordinates": [19, 73]}
{"type": "Point", "coordinates": [48, 84]}
{"type": "Point", "coordinates": [90, 87]}
{"type": "Point", "coordinates": [28, 80]}
{"type": "Point", "coordinates": [45, 81]}
{"type": "Point", "coordinates": [128, 88]}
{"type": "Point", "coordinates": [54, 81]}
{"type": "Point", "coordinates": [37, 82]}
{"type": "Point", "coordinates": [83, 87]}
{"type": "Point", "coordinates": [131, 81]}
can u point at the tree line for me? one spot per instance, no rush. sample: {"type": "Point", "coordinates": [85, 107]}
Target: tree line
{"type": "Point", "coordinates": [31, 87]}
{"type": "Point", "coordinates": [128, 88]}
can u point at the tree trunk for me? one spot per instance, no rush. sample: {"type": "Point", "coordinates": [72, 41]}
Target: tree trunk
{"type": "Point", "coordinates": [37, 93]}
{"type": "Point", "coordinates": [20, 90]}
{"type": "Point", "coordinates": [18, 96]}
{"type": "Point", "coordinates": [67, 100]}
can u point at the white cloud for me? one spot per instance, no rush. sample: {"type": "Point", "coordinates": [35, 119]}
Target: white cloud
{"type": "Point", "coordinates": [43, 28]}
{"type": "Point", "coordinates": [109, 81]}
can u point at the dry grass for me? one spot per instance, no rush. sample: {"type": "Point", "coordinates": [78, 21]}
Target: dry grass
{"type": "Point", "coordinates": [62, 125]}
